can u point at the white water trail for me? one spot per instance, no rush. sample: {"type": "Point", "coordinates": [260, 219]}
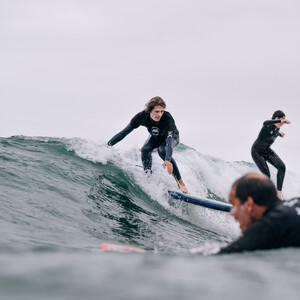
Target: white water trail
{"type": "Point", "coordinates": [203, 175]}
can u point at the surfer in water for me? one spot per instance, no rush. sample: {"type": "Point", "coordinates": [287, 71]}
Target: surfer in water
{"type": "Point", "coordinates": [265, 221]}
{"type": "Point", "coordinates": [164, 136]}
{"type": "Point", "coordinates": [261, 150]}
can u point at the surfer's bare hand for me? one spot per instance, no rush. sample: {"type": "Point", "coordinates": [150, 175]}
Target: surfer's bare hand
{"type": "Point", "coordinates": [168, 165]}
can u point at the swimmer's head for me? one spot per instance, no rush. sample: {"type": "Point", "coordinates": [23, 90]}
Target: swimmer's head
{"type": "Point", "coordinates": [155, 101]}
{"type": "Point", "coordinates": [257, 186]}
{"type": "Point", "coordinates": [278, 114]}
{"type": "Point", "coordinates": [250, 196]}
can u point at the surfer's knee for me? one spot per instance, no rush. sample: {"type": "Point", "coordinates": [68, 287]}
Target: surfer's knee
{"type": "Point", "coordinates": [146, 151]}
{"type": "Point", "coordinates": [281, 168]}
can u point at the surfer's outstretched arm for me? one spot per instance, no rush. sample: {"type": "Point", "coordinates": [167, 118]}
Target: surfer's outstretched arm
{"type": "Point", "coordinates": [271, 122]}
{"type": "Point", "coordinates": [120, 136]}
{"type": "Point", "coordinates": [276, 121]}
{"type": "Point", "coordinates": [170, 143]}
{"type": "Point", "coordinates": [165, 151]}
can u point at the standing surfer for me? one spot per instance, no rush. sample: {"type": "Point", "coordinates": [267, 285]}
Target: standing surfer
{"type": "Point", "coordinates": [164, 136]}
{"type": "Point", "coordinates": [261, 150]}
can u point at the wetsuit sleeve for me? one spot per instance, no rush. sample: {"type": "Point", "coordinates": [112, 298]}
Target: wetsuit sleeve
{"type": "Point", "coordinates": [120, 136]}
{"type": "Point", "coordinates": [170, 124]}
{"type": "Point", "coordinates": [169, 146]}
{"type": "Point", "coordinates": [271, 122]}
{"type": "Point", "coordinates": [172, 134]}
{"type": "Point", "coordinates": [257, 237]}
{"type": "Point", "coordinates": [136, 120]}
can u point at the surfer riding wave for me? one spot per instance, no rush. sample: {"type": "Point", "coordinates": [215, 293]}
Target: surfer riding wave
{"type": "Point", "coordinates": [164, 136]}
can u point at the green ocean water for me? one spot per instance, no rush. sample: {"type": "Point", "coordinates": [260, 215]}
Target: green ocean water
{"type": "Point", "coordinates": [61, 198]}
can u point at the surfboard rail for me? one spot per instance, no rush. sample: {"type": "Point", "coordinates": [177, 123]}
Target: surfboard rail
{"type": "Point", "coordinates": [208, 203]}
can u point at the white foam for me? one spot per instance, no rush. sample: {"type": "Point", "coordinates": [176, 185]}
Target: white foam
{"type": "Point", "coordinates": [201, 174]}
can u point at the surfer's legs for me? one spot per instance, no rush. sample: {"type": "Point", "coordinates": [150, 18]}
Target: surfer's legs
{"type": "Point", "coordinates": [147, 150]}
{"type": "Point", "coordinates": [261, 162]}
{"type": "Point", "coordinates": [272, 158]}
{"type": "Point", "coordinates": [175, 173]}
{"type": "Point", "coordinates": [162, 153]}
{"type": "Point", "coordinates": [275, 161]}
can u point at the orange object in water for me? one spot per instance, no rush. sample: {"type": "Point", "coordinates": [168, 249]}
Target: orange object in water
{"type": "Point", "coordinates": [109, 247]}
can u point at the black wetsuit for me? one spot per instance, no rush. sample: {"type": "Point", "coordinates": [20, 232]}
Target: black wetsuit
{"type": "Point", "coordinates": [279, 227]}
{"type": "Point", "coordinates": [262, 153]}
{"type": "Point", "coordinates": [164, 135]}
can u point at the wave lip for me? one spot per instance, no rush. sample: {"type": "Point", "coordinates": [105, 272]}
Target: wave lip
{"type": "Point", "coordinates": [60, 193]}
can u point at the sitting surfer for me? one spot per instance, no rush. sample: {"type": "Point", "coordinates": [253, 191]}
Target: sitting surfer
{"type": "Point", "coordinates": [262, 153]}
{"type": "Point", "coordinates": [265, 221]}
{"type": "Point", "coordinates": [164, 136]}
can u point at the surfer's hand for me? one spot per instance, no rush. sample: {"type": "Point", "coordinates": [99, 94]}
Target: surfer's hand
{"type": "Point", "coordinates": [285, 121]}
{"type": "Point", "coordinates": [282, 134]}
{"type": "Point", "coordinates": [168, 165]}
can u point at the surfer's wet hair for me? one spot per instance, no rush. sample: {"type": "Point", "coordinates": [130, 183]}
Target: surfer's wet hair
{"type": "Point", "coordinates": [261, 190]}
{"type": "Point", "coordinates": [154, 102]}
{"type": "Point", "coordinates": [278, 114]}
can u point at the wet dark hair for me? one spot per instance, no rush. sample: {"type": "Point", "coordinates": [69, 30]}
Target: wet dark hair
{"type": "Point", "coordinates": [262, 190]}
{"type": "Point", "coordinates": [154, 102]}
{"type": "Point", "coordinates": [278, 114]}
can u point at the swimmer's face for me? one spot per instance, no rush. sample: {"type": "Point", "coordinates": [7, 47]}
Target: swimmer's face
{"type": "Point", "coordinates": [240, 211]}
{"type": "Point", "coordinates": [157, 113]}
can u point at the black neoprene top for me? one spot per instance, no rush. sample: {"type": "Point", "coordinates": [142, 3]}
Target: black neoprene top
{"type": "Point", "coordinates": [279, 227]}
{"type": "Point", "coordinates": [162, 129]}
{"type": "Point", "coordinates": [267, 135]}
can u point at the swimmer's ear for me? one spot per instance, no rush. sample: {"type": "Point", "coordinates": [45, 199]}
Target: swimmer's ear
{"type": "Point", "coordinates": [249, 205]}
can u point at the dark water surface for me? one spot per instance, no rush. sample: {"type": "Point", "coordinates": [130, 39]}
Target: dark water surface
{"type": "Point", "coordinates": [58, 206]}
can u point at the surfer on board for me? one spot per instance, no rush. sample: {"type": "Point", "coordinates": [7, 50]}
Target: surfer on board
{"type": "Point", "coordinates": [265, 221]}
{"type": "Point", "coordinates": [262, 153]}
{"type": "Point", "coordinates": [164, 136]}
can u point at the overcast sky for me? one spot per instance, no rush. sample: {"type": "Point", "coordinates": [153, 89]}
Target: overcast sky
{"type": "Point", "coordinates": [85, 68]}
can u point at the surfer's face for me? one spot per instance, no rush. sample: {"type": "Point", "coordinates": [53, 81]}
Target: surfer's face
{"type": "Point", "coordinates": [240, 211]}
{"type": "Point", "coordinates": [157, 113]}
